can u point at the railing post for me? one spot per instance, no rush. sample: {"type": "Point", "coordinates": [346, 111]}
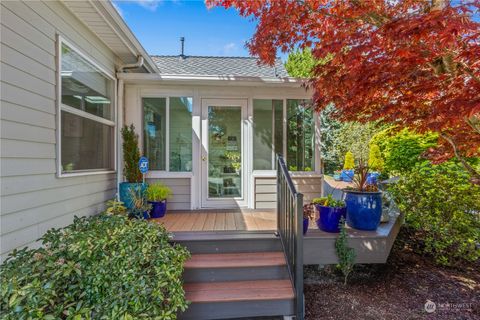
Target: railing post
{"type": "Point", "coordinates": [299, 258]}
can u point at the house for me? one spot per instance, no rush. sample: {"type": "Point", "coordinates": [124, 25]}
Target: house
{"type": "Point", "coordinates": [73, 74]}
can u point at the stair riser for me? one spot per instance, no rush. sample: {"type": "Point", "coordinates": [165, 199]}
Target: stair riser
{"type": "Point", "coordinates": [232, 246]}
{"type": "Point", "coordinates": [233, 310]}
{"type": "Point", "coordinates": [235, 274]}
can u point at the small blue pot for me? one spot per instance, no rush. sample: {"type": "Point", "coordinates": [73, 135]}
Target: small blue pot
{"type": "Point", "coordinates": [125, 193]}
{"type": "Point", "coordinates": [159, 208]}
{"type": "Point", "coordinates": [329, 218]}
{"type": "Point", "coordinates": [372, 178]}
{"type": "Point", "coordinates": [364, 209]}
{"type": "Point", "coordinates": [305, 225]}
{"type": "Point", "coordinates": [347, 175]}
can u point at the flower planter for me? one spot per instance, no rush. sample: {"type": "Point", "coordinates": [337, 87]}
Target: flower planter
{"type": "Point", "coordinates": [305, 225]}
{"type": "Point", "coordinates": [337, 176]}
{"type": "Point", "coordinates": [125, 192]}
{"type": "Point", "coordinates": [159, 208]}
{"type": "Point", "coordinates": [329, 218]}
{"type": "Point", "coordinates": [347, 175]}
{"type": "Point", "coordinates": [364, 209]}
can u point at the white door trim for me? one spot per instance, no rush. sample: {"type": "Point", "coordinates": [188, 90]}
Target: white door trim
{"type": "Point", "coordinates": [239, 202]}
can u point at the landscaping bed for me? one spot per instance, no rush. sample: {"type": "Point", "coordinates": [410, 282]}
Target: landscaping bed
{"type": "Point", "coordinates": [398, 289]}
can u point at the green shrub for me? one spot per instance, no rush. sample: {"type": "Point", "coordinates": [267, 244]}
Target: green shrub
{"type": "Point", "coordinates": [443, 207]}
{"type": "Point", "coordinates": [103, 267]}
{"type": "Point", "coordinates": [131, 155]}
{"type": "Point", "coordinates": [346, 255]}
{"type": "Point", "coordinates": [158, 192]}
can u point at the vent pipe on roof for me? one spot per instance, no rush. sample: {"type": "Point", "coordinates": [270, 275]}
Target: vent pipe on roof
{"type": "Point", "coordinates": [182, 42]}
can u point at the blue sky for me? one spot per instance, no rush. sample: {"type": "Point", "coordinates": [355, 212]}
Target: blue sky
{"type": "Point", "coordinates": [159, 25]}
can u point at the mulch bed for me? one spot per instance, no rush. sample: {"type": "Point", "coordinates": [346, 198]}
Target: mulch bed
{"type": "Point", "coordinates": [398, 289]}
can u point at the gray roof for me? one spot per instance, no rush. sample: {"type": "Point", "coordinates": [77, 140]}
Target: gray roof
{"type": "Point", "coordinates": [217, 66]}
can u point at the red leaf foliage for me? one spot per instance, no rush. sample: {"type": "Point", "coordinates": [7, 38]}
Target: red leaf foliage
{"type": "Point", "coordinates": [415, 63]}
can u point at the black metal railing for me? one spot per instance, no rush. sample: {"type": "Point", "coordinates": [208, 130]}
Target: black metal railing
{"type": "Point", "coordinates": [290, 231]}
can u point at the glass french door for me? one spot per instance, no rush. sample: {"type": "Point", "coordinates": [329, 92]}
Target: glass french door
{"type": "Point", "coordinates": [223, 153]}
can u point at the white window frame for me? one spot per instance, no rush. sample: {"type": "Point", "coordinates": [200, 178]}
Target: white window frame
{"type": "Point", "coordinates": [62, 107]}
{"type": "Point", "coordinates": [165, 173]}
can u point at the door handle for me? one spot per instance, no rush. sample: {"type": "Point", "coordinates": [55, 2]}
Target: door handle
{"type": "Point", "coordinates": [204, 158]}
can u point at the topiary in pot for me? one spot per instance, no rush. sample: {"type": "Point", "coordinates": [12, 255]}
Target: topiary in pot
{"type": "Point", "coordinates": [157, 195]}
{"type": "Point", "coordinates": [133, 176]}
{"type": "Point", "coordinates": [348, 172]}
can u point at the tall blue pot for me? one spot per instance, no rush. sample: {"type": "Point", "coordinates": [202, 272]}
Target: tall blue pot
{"type": "Point", "coordinates": [329, 218]}
{"type": "Point", "coordinates": [364, 209]}
{"type": "Point", "coordinates": [125, 193]}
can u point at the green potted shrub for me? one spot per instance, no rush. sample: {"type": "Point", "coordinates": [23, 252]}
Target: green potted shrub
{"type": "Point", "coordinates": [157, 195]}
{"type": "Point", "coordinates": [140, 207]}
{"type": "Point", "coordinates": [331, 212]}
{"type": "Point", "coordinates": [131, 172]}
{"type": "Point", "coordinates": [375, 163]}
{"type": "Point", "coordinates": [349, 164]}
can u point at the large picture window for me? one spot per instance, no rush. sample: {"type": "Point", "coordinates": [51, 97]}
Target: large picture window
{"type": "Point", "coordinates": [87, 126]}
{"type": "Point", "coordinates": [168, 120]}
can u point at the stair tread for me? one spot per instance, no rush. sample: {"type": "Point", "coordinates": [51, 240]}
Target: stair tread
{"type": "Point", "coordinates": [232, 260]}
{"type": "Point", "coordinates": [231, 291]}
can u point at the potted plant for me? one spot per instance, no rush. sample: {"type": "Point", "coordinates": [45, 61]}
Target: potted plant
{"type": "Point", "coordinates": [364, 202]}
{"type": "Point", "coordinates": [308, 214]}
{"type": "Point", "coordinates": [349, 164]}
{"type": "Point", "coordinates": [140, 207]}
{"type": "Point", "coordinates": [331, 212]}
{"type": "Point", "coordinates": [337, 175]}
{"type": "Point", "coordinates": [133, 176]}
{"type": "Point", "coordinates": [157, 195]}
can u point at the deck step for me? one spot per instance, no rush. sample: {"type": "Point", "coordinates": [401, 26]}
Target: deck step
{"type": "Point", "coordinates": [236, 299]}
{"type": "Point", "coordinates": [235, 267]}
{"type": "Point", "coordinates": [238, 260]}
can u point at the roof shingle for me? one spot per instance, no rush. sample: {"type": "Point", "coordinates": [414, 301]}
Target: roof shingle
{"type": "Point", "coordinates": [217, 66]}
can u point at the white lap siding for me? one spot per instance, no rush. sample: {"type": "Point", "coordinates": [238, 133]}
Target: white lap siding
{"type": "Point", "coordinates": [33, 199]}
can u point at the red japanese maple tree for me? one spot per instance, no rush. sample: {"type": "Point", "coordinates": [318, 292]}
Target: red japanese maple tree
{"type": "Point", "coordinates": [415, 63]}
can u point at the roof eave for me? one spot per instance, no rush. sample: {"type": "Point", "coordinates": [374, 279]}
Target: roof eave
{"type": "Point", "coordinates": [211, 79]}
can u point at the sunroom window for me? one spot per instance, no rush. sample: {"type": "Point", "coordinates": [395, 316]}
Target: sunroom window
{"type": "Point", "coordinates": [168, 119]}
{"type": "Point", "coordinates": [267, 132]}
{"type": "Point", "coordinates": [300, 135]}
{"type": "Point", "coordinates": [87, 115]}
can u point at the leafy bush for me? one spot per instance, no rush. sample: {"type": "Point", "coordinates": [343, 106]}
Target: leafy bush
{"type": "Point", "coordinates": [103, 267]}
{"type": "Point", "coordinates": [349, 161]}
{"type": "Point", "coordinates": [158, 192]}
{"type": "Point", "coordinates": [443, 207]}
{"type": "Point", "coordinates": [402, 150]}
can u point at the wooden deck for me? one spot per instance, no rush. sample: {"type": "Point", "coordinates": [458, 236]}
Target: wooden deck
{"type": "Point", "coordinates": [219, 220]}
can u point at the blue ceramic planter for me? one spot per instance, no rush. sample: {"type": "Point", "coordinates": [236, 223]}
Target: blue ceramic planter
{"type": "Point", "coordinates": [305, 225]}
{"type": "Point", "coordinates": [347, 175]}
{"type": "Point", "coordinates": [159, 208]}
{"type": "Point", "coordinates": [364, 209]}
{"type": "Point", "coordinates": [146, 215]}
{"type": "Point", "coordinates": [125, 193]}
{"type": "Point", "coordinates": [329, 218]}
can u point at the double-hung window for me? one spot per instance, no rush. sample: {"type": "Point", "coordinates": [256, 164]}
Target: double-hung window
{"type": "Point", "coordinates": [167, 133]}
{"type": "Point", "coordinates": [87, 115]}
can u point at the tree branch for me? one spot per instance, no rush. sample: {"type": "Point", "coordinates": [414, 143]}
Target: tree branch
{"type": "Point", "coordinates": [475, 176]}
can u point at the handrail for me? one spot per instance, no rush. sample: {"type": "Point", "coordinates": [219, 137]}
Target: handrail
{"type": "Point", "coordinates": [290, 231]}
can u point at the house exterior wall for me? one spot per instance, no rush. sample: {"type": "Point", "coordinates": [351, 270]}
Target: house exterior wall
{"type": "Point", "coordinates": [33, 198]}
{"type": "Point", "coordinates": [262, 186]}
